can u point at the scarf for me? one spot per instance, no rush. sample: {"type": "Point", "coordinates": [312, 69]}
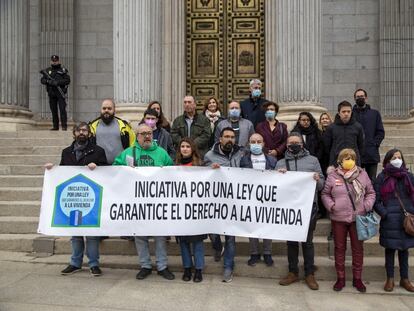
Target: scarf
{"type": "Point", "coordinates": [213, 117]}
{"type": "Point", "coordinates": [392, 175]}
{"type": "Point", "coordinates": [351, 177]}
{"type": "Point", "coordinates": [78, 149]}
{"type": "Point", "coordinates": [186, 161]}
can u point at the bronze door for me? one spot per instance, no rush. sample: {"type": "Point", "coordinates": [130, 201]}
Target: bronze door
{"type": "Point", "coordinates": [225, 48]}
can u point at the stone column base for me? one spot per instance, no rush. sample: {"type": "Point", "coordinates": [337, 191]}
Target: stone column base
{"type": "Point", "coordinates": [131, 113]}
{"type": "Point", "coordinates": [289, 112]}
{"type": "Point", "coordinates": [13, 119]}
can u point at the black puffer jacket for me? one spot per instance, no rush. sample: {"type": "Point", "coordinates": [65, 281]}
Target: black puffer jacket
{"type": "Point", "coordinates": [91, 154]}
{"type": "Point", "coordinates": [392, 234]}
{"type": "Point", "coordinates": [341, 135]}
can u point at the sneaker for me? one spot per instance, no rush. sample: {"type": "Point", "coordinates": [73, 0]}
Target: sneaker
{"type": "Point", "coordinates": [187, 274]}
{"type": "Point", "coordinates": [96, 271]}
{"type": "Point", "coordinates": [228, 276]}
{"type": "Point", "coordinates": [70, 270]}
{"type": "Point", "coordinates": [198, 277]}
{"type": "Point", "coordinates": [357, 283]}
{"type": "Point", "coordinates": [339, 285]}
{"type": "Point", "coordinates": [143, 273]}
{"type": "Point", "coordinates": [311, 282]}
{"type": "Point", "coordinates": [289, 279]}
{"type": "Point", "coordinates": [254, 259]}
{"type": "Point", "coordinates": [166, 274]}
{"type": "Point", "coordinates": [268, 260]}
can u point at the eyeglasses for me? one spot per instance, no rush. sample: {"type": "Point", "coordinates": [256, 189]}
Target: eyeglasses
{"type": "Point", "coordinates": [82, 130]}
{"type": "Point", "coordinates": [145, 133]}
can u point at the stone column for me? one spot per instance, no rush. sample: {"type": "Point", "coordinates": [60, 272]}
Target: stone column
{"type": "Point", "coordinates": [14, 66]}
{"type": "Point", "coordinates": [173, 62]}
{"type": "Point", "coordinates": [137, 30]}
{"type": "Point", "coordinates": [293, 56]}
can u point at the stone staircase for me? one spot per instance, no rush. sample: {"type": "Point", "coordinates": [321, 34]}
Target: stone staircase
{"type": "Point", "coordinates": [22, 155]}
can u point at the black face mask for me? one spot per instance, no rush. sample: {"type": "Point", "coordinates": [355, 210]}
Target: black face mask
{"type": "Point", "coordinates": [227, 148]}
{"type": "Point", "coordinates": [360, 102]}
{"type": "Point", "coordinates": [106, 119]}
{"type": "Point", "coordinates": [294, 148]}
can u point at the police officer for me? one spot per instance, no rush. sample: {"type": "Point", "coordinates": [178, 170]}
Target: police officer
{"type": "Point", "coordinates": [56, 79]}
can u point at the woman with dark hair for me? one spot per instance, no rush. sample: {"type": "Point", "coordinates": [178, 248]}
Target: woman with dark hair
{"type": "Point", "coordinates": [394, 187]}
{"type": "Point", "coordinates": [311, 134]}
{"type": "Point", "coordinates": [187, 155]}
{"type": "Point", "coordinates": [274, 132]}
{"type": "Point", "coordinates": [162, 120]}
{"type": "Point", "coordinates": [212, 112]}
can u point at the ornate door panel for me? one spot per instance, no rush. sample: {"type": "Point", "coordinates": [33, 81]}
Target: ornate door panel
{"type": "Point", "coordinates": [225, 48]}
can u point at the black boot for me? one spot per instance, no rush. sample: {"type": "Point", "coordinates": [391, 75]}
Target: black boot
{"type": "Point", "coordinates": [187, 274]}
{"type": "Point", "coordinates": [198, 277]}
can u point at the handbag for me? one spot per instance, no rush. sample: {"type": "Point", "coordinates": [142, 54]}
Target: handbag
{"type": "Point", "coordinates": [366, 225]}
{"type": "Point", "coordinates": [408, 222]}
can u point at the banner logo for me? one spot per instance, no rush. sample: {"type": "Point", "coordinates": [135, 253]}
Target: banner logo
{"type": "Point", "coordinates": [78, 203]}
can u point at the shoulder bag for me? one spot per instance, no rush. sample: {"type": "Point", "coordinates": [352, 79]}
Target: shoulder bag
{"type": "Point", "coordinates": [408, 222]}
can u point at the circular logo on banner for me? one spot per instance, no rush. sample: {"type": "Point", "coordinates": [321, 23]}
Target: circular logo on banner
{"type": "Point", "coordinates": [77, 196]}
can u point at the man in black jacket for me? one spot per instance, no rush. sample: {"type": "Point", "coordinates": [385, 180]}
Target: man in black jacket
{"type": "Point", "coordinates": [345, 132]}
{"type": "Point", "coordinates": [252, 107]}
{"type": "Point", "coordinates": [371, 121]}
{"type": "Point", "coordinates": [83, 152]}
{"type": "Point", "coordinates": [56, 79]}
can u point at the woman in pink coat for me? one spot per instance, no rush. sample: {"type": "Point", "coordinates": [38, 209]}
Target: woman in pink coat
{"type": "Point", "coordinates": [344, 183]}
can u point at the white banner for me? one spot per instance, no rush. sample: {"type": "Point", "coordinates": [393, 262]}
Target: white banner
{"type": "Point", "coordinates": [176, 200]}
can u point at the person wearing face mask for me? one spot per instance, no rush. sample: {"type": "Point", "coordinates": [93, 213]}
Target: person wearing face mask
{"type": "Point", "coordinates": [252, 107]}
{"type": "Point", "coordinates": [297, 158]}
{"type": "Point", "coordinates": [57, 80]}
{"type": "Point", "coordinates": [347, 192]}
{"type": "Point", "coordinates": [312, 136]}
{"type": "Point", "coordinates": [274, 132]}
{"type": "Point", "coordinates": [242, 127]}
{"type": "Point", "coordinates": [159, 134]}
{"type": "Point", "coordinates": [110, 132]}
{"type": "Point", "coordinates": [371, 121]}
{"type": "Point", "coordinates": [228, 154]}
{"type": "Point", "coordinates": [83, 152]}
{"type": "Point", "coordinates": [255, 158]}
{"type": "Point", "coordinates": [393, 183]}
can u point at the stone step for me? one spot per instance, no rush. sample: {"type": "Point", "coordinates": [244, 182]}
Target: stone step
{"type": "Point", "coordinates": [21, 180]}
{"type": "Point", "coordinates": [22, 169]}
{"type": "Point", "coordinates": [22, 142]}
{"type": "Point", "coordinates": [18, 224]}
{"type": "Point", "coordinates": [383, 150]}
{"type": "Point", "coordinates": [373, 267]}
{"type": "Point", "coordinates": [398, 141]}
{"type": "Point", "coordinates": [20, 194]}
{"type": "Point", "coordinates": [399, 132]}
{"type": "Point", "coordinates": [37, 134]}
{"type": "Point", "coordinates": [29, 159]}
{"type": "Point", "coordinates": [35, 150]}
{"type": "Point", "coordinates": [20, 208]}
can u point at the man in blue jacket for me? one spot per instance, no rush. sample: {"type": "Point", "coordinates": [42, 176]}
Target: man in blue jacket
{"type": "Point", "coordinates": [371, 121]}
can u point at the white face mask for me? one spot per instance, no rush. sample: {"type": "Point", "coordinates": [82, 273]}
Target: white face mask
{"type": "Point", "coordinates": [396, 163]}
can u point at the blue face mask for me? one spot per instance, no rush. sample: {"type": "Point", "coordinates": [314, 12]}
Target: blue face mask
{"type": "Point", "coordinates": [270, 115]}
{"type": "Point", "coordinates": [256, 93]}
{"type": "Point", "coordinates": [256, 148]}
{"type": "Point", "coordinates": [234, 113]}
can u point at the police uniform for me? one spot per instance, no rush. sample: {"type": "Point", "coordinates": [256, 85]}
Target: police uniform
{"type": "Point", "coordinates": [56, 79]}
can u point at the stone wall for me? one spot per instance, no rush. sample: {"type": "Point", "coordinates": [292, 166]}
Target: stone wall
{"type": "Point", "coordinates": [350, 59]}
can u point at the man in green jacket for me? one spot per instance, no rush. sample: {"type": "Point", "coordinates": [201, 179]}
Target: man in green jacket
{"type": "Point", "coordinates": [145, 152]}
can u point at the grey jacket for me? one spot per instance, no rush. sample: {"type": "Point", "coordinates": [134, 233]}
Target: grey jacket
{"type": "Point", "coordinates": [165, 141]}
{"type": "Point", "coordinates": [303, 162]}
{"type": "Point", "coordinates": [246, 130]}
{"type": "Point", "coordinates": [215, 155]}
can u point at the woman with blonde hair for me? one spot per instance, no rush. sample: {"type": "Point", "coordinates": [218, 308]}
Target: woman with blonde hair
{"type": "Point", "coordinates": [325, 120]}
{"type": "Point", "coordinates": [347, 192]}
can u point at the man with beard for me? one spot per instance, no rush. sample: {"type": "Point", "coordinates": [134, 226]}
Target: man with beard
{"type": "Point", "coordinates": [145, 152]}
{"type": "Point", "coordinates": [83, 152]}
{"type": "Point", "coordinates": [371, 121]}
{"type": "Point", "coordinates": [110, 132]}
{"type": "Point", "coordinates": [225, 153]}
{"type": "Point", "coordinates": [56, 79]}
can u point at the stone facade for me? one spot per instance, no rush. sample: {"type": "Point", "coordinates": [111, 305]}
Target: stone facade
{"type": "Point", "coordinates": [350, 55]}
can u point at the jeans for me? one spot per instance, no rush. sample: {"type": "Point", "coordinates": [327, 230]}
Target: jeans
{"type": "Point", "coordinates": [92, 250]}
{"type": "Point", "coordinates": [254, 246]}
{"type": "Point", "coordinates": [308, 255]}
{"type": "Point", "coordinates": [216, 242]}
{"type": "Point", "coordinates": [198, 252]}
{"type": "Point", "coordinates": [402, 259]}
{"type": "Point", "coordinates": [142, 246]}
{"type": "Point", "coordinates": [340, 231]}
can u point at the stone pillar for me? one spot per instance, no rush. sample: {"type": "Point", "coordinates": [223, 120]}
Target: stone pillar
{"type": "Point", "coordinates": [293, 56]}
{"type": "Point", "coordinates": [14, 66]}
{"type": "Point", "coordinates": [173, 62]}
{"type": "Point", "coordinates": [137, 31]}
